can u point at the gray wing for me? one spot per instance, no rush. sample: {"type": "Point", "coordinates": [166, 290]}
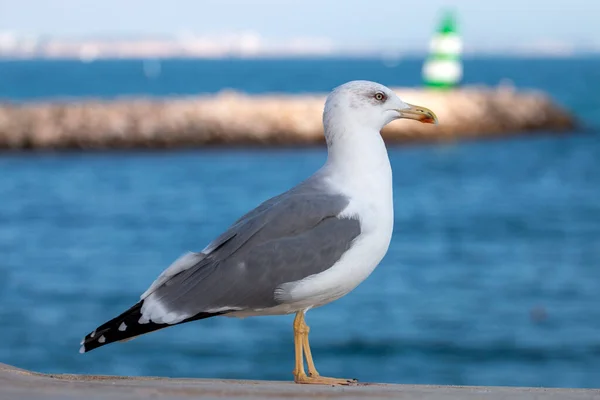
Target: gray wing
{"type": "Point", "coordinates": [285, 239]}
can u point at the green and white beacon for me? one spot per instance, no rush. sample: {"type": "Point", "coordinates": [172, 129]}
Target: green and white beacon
{"type": "Point", "coordinates": [443, 66]}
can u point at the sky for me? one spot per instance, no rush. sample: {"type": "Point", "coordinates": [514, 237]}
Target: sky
{"type": "Point", "coordinates": [397, 23]}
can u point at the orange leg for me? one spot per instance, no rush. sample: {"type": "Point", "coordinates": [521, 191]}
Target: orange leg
{"type": "Point", "coordinates": [301, 331]}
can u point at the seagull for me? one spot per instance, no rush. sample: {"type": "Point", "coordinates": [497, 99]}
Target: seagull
{"type": "Point", "coordinates": [299, 250]}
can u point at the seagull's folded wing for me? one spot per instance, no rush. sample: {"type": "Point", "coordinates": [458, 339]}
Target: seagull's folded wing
{"type": "Point", "coordinates": [285, 239]}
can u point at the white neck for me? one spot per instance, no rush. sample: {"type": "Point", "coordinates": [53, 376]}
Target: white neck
{"type": "Point", "coordinates": [358, 165]}
{"type": "Point", "coordinates": [357, 154]}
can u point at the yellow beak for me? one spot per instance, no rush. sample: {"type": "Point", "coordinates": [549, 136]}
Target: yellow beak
{"type": "Point", "coordinates": [421, 114]}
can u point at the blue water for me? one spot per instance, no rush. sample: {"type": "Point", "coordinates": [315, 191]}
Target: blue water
{"type": "Point", "coordinates": [492, 278]}
{"type": "Point", "coordinates": [572, 82]}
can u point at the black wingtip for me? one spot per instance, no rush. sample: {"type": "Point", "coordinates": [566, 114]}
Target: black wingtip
{"type": "Point", "coordinates": [122, 327]}
{"type": "Point", "coordinates": [126, 327]}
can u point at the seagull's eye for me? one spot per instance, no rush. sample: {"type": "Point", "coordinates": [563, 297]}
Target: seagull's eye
{"type": "Point", "coordinates": [379, 96]}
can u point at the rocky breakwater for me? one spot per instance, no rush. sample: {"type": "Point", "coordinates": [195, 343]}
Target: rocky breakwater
{"type": "Point", "coordinates": [231, 118]}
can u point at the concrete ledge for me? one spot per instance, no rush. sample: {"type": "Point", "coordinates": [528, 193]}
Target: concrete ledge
{"type": "Point", "coordinates": [19, 384]}
{"type": "Point", "coordinates": [231, 118]}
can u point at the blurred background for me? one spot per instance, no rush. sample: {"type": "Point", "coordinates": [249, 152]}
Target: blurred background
{"type": "Point", "coordinates": [493, 274]}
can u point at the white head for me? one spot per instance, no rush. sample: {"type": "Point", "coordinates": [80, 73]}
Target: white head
{"type": "Point", "coordinates": [368, 105]}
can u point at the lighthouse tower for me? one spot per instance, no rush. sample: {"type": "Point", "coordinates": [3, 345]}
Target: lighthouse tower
{"type": "Point", "coordinates": [443, 67]}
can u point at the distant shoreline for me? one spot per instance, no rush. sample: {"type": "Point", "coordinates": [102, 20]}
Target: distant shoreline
{"type": "Point", "coordinates": [374, 56]}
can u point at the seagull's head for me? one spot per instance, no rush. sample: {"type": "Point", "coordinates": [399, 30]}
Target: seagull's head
{"type": "Point", "coordinates": [371, 105]}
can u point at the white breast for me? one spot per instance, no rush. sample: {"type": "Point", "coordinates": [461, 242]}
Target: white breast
{"type": "Point", "coordinates": [371, 201]}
